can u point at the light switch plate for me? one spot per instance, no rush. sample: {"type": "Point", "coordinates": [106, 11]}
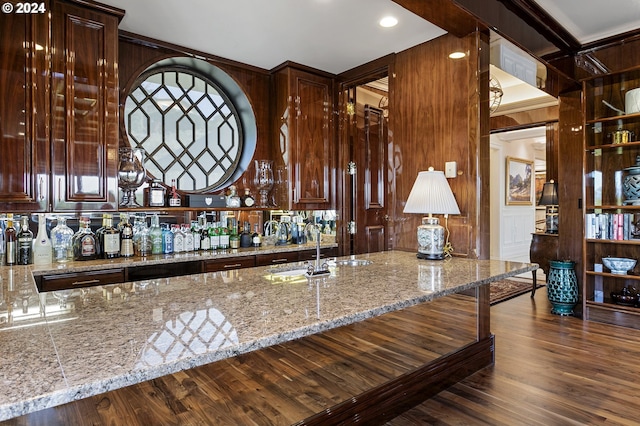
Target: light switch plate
{"type": "Point", "coordinates": [450, 169]}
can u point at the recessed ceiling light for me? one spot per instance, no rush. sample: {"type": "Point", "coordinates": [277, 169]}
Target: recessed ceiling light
{"type": "Point", "coordinates": [388, 21]}
{"type": "Point", "coordinates": [457, 55]}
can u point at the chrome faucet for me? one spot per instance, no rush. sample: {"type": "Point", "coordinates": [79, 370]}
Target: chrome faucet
{"type": "Point", "coordinates": [318, 269]}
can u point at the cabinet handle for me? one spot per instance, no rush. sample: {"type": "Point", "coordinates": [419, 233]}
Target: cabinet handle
{"type": "Point", "coordinates": [59, 189]}
{"type": "Point", "coordinates": [235, 265]}
{"type": "Point", "coordinates": [85, 282]}
{"type": "Point", "coordinates": [278, 260]}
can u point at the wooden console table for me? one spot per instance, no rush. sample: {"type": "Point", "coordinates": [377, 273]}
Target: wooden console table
{"type": "Point", "coordinates": [544, 247]}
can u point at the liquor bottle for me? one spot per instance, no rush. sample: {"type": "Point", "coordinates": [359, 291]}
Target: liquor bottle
{"type": "Point", "coordinates": [246, 237]}
{"type": "Point", "coordinates": [205, 229]}
{"type": "Point", "coordinates": [126, 237]}
{"type": "Point", "coordinates": [188, 237]}
{"type": "Point", "coordinates": [24, 254]}
{"type": "Point", "coordinates": [109, 240]}
{"type": "Point", "coordinates": [256, 238]}
{"type": "Point", "coordinates": [156, 194]}
{"type": "Point", "coordinates": [223, 233]}
{"type": "Point", "coordinates": [233, 200]}
{"type": "Point", "coordinates": [174, 197]}
{"type": "Point", "coordinates": [234, 238]}
{"type": "Point", "coordinates": [141, 236]}
{"type": "Point", "coordinates": [178, 239]}
{"type": "Point", "coordinates": [2, 244]}
{"type": "Point", "coordinates": [156, 235]}
{"type": "Point", "coordinates": [195, 234]}
{"type": "Point", "coordinates": [167, 239]}
{"type": "Point", "coordinates": [61, 237]}
{"type": "Point", "coordinates": [11, 241]}
{"type": "Point", "coordinates": [42, 248]}
{"type": "Point", "coordinates": [84, 241]}
{"type": "Point", "coordinates": [247, 199]}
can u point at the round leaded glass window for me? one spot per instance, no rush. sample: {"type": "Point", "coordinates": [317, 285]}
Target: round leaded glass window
{"type": "Point", "coordinates": [188, 126]}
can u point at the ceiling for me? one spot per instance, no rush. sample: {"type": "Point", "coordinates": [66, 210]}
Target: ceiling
{"type": "Point", "coordinates": [330, 35]}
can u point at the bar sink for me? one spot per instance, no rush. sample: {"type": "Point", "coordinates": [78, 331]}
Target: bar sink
{"type": "Point", "coordinates": [352, 262]}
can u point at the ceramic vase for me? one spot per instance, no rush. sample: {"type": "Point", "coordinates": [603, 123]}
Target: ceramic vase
{"type": "Point", "coordinates": [562, 287]}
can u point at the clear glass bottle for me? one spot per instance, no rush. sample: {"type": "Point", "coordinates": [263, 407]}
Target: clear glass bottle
{"type": "Point", "coordinates": [126, 237]}
{"type": "Point", "coordinates": [141, 236]}
{"type": "Point", "coordinates": [155, 232]}
{"type": "Point", "coordinates": [11, 241]}
{"type": "Point", "coordinates": [25, 243]}
{"type": "Point", "coordinates": [157, 194]}
{"type": "Point", "coordinates": [42, 248]}
{"type": "Point", "coordinates": [61, 237]}
{"type": "Point", "coordinates": [84, 241]}
{"type": "Point", "coordinates": [178, 239]}
{"type": "Point", "coordinates": [233, 200]}
{"type": "Point", "coordinates": [188, 237]}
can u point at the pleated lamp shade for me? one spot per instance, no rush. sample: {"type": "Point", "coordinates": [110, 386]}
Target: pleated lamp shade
{"type": "Point", "coordinates": [431, 194]}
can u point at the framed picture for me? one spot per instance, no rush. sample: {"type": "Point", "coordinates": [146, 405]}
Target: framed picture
{"type": "Point", "coordinates": [519, 181]}
{"type": "Point", "coordinates": [541, 178]}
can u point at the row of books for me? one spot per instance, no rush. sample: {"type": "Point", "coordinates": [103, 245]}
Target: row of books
{"type": "Point", "coordinates": [612, 226]}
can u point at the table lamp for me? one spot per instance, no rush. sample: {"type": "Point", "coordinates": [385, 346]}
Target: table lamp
{"type": "Point", "coordinates": [431, 194]}
{"type": "Point", "coordinates": [549, 198]}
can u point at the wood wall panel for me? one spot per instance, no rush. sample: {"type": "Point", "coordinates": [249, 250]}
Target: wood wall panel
{"type": "Point", "coordinates": [437, 118]}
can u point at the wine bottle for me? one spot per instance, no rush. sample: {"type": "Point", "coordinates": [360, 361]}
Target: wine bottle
{"type": "Point", "coordinates": [25, 243]}
{"type": "Point", "coordinates": [108, 238]}
{"type": "Point", "coordinates": [42, 248]}
{"type": "Point", "coordinates": [11, 241]}
{"type": "Point", "coordinates": [126, 237]}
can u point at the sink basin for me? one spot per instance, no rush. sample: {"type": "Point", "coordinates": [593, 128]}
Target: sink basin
{"type": "Point", "coordinates": [353, 262]}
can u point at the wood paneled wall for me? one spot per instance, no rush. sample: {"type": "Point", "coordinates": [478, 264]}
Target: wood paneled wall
{"type": "Point", "coordinates": [437, 118]}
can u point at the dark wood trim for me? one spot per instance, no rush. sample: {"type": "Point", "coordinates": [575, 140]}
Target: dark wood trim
{"type": "Point", "coordinates": [364, 73]}
{"type": "Point", "coordinates": [100, 7]}
{"type": "Point", "coordinates": [386, 402]}
{"type": "Point", "coordinates": [176, 50]}
{"type": "Point", "coordinates": [446, 14]}
{"type": "Point", "coordinates": [524, 119]}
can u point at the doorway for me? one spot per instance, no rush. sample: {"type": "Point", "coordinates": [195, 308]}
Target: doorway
{"type": "Point", "coordinates": [364, 187]}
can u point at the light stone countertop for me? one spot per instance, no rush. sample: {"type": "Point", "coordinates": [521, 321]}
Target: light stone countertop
{"type": "Point", "coordinates": [66, 345]}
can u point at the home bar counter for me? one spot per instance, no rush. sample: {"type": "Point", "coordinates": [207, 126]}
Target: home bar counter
{"type": "Point", "coordinates": [86, 341]}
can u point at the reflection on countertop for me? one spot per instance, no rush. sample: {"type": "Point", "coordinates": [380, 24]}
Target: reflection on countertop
{"type": "Point", "coordinates": [68, 344]}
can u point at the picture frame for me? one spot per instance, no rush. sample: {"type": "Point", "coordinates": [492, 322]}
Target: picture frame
{"type": "Point", "coordinates": [519, 182]}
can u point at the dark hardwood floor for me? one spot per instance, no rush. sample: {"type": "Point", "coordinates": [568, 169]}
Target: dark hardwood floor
{"type": "Point", "coordinates": [549, 370]}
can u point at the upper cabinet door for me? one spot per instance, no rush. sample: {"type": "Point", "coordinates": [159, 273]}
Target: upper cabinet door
{"type": "Point", "coordinates": [24, 112]}
{"type": "Point", "coordinates": [306, 148]}
{"type": "Point", "coordinates": [312, 146]}
{"type": "Point", "coordinates": [84, 108]}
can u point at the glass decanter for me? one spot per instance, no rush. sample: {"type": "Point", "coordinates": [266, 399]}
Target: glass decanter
{"type": "Point", "coordinates": [131, 174]}
{"type": "Point", "coordinates": [61, 237]}
{"type": "Point", "coordinates": [264, 180]}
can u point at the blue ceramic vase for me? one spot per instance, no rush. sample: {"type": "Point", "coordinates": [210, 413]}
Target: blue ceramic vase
{"type": "Point", "coordinates": [562, 287]}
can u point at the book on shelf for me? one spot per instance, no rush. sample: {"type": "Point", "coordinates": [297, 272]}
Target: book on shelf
{"type": "Point", "coordinates": [612, 226]}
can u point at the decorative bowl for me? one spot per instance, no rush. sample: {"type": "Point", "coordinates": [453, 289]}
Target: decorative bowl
{"type": "Point", "coordinates": [624, 299]}
{"type": "Point", "coordinates": [619, 265]}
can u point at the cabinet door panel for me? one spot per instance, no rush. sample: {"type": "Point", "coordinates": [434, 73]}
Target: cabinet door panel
{"type": "Point", "coordinates": [85, 109]}
{"type": "Point", "coordinates": [24, 111]}
{"type": "Point", "coordinates": [312, 148]}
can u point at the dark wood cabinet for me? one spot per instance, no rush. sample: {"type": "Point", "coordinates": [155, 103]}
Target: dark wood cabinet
{"type": "Point", "coordinates": [305, 162]}
{"type": "Point", "coordinates": [59, 111]}
{"type": "Point", "coordinates": [24, 112]}
{"type": "Point", "coordinates": [80, 279]}
{"type": "Point", "coordinates": [84, 103]}
{"type": "Point", "coordinates": [229, 263]}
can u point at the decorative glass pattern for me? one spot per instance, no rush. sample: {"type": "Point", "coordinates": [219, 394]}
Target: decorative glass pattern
{"type": "Point", "coordinates": [187, 125]}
